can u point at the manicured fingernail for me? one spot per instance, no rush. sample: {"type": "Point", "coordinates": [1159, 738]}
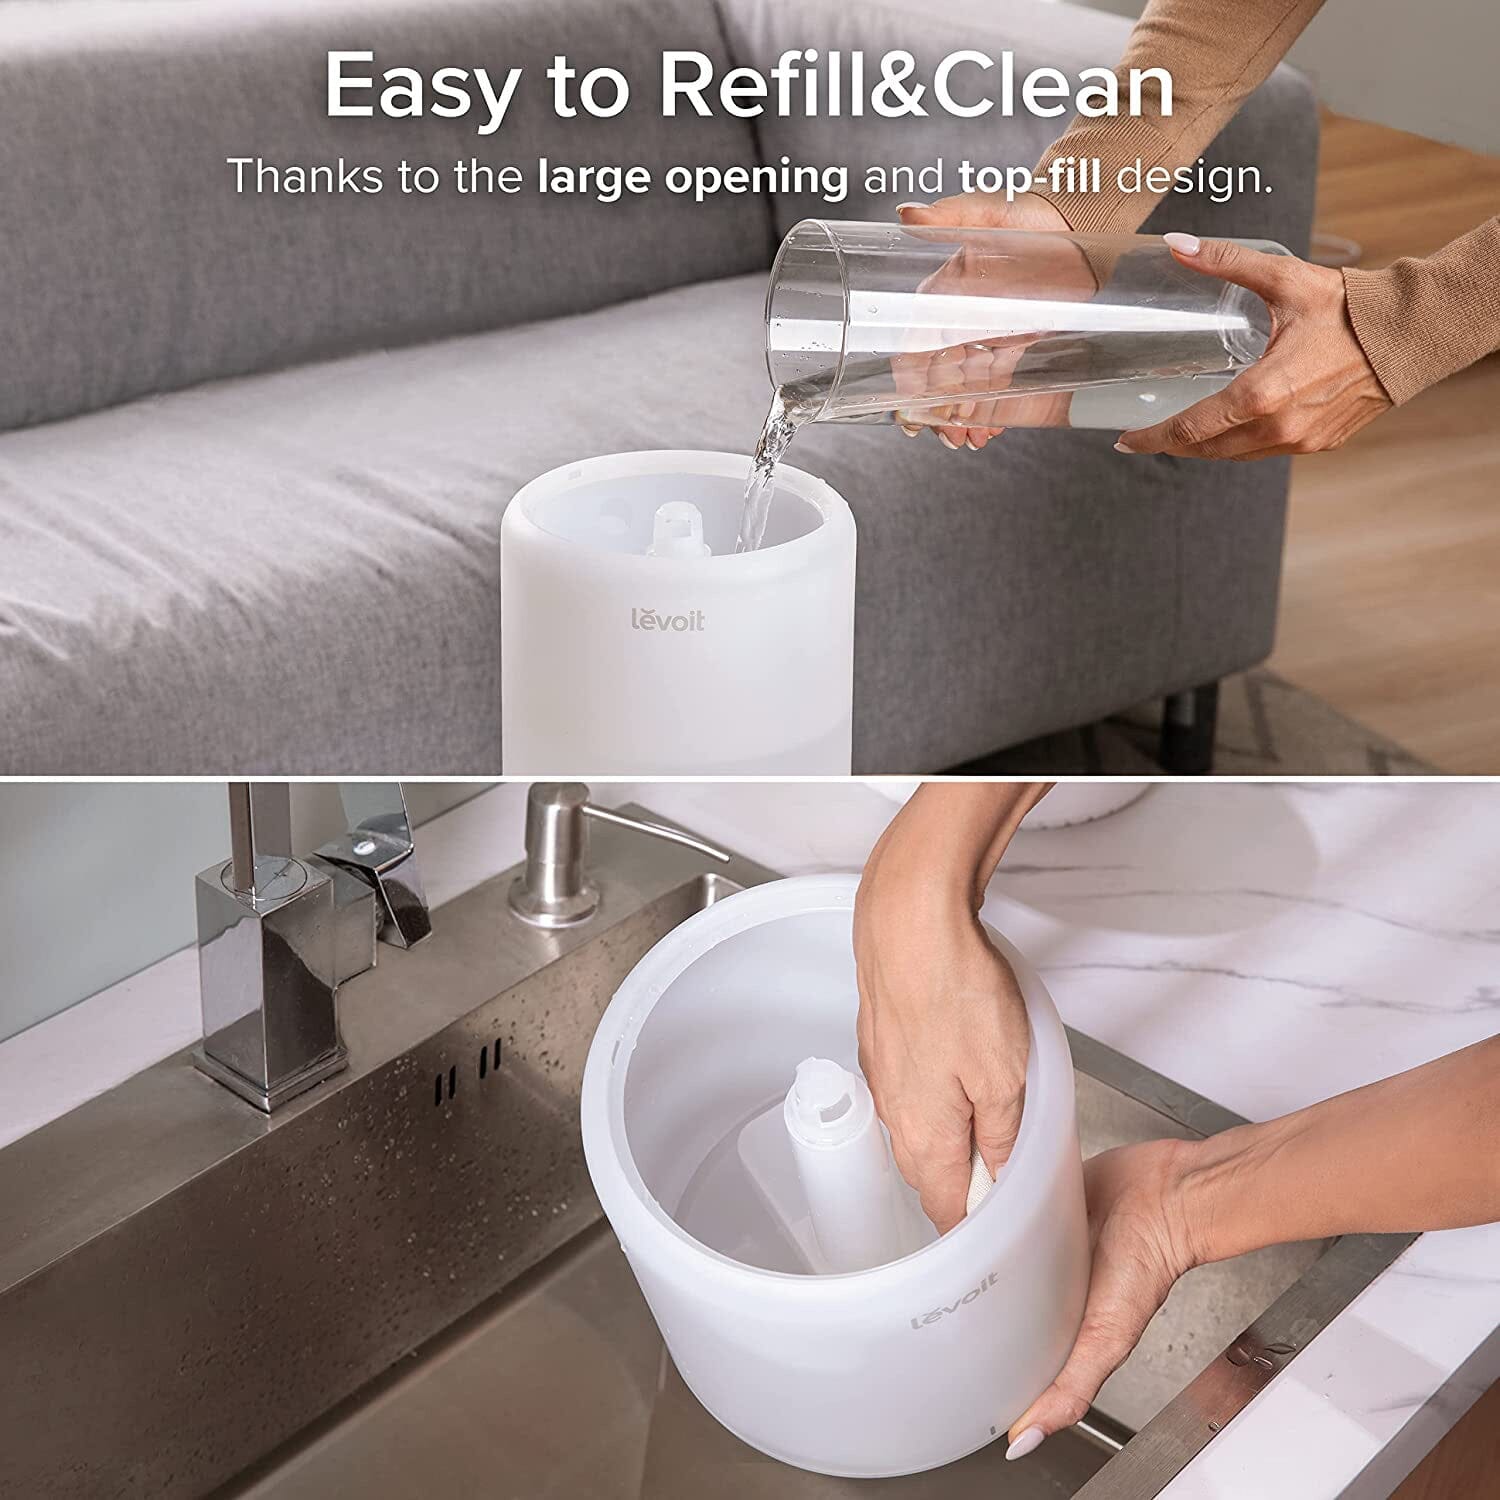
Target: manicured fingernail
{"type": "Point", "coordinates": [902, 207]}
{"type": "Point", "coordinates": [1028, 1442]}
{"type": "Point", "coordinates": [1184, 244]}
{"type": "Point", "coordinates": [911, 431]}
{"type": "Point", "coordinates": [947, 442]}
{"type": "Point", "coordinates": [1121, 448]}
{"type": "Point", "coordinates": [971, 445]}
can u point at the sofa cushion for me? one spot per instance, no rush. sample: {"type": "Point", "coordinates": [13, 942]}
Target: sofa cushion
{"type": "Point", "coordinates": [299, 572]}
{"type": "Point", "coordinates": [135, 265]}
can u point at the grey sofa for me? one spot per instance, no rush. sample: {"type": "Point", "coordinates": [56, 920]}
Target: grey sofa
{"type": "Point", "coordinates": [254, 450]}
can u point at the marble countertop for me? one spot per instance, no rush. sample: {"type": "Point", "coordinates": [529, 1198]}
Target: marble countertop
{"type": "Point", "coordinates": [1266, 944]}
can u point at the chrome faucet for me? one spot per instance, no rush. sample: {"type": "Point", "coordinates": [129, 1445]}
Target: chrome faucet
{"type": "Point", "coordinates": [554, 890]}
{"type": "Point", "coordinates": [277, 935]}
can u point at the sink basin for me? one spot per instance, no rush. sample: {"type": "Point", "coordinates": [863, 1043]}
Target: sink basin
{"type": "Point", "coordinates": [401, 1283]}
{"type": "Point", "coordinates": [560, 1385]}
{"type": "Point", "coordinates": [276, 1265]}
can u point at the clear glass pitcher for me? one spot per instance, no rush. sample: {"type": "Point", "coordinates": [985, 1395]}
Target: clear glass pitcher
{"type": "Point", "coordinates": [999, 327]}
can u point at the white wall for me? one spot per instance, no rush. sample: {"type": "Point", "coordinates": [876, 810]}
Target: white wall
{"type": "Point", "coordinates": [96, 880]}
{"type": "Point", "coordinates": [1427, 66]}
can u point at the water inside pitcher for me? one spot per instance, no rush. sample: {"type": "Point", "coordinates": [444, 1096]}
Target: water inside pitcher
{"type": "Point", "coordinates": [989, 328]}
{"type": "Point", "coordinates": [999, 327]}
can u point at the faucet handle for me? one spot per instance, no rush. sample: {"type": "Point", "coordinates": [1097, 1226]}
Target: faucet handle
{"type": "Point", "coordinates": [378, 847]}
{"type": "Point", "coordinates": [554, 889]}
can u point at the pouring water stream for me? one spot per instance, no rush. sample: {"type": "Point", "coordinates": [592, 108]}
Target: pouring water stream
{"type": "Point", "coordinates": [776, 434]}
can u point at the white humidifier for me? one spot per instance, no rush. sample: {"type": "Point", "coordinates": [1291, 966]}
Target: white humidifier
{"type": "Point", "coordinates": [802, 1296]}
{"type": "Point", "coordinates": [635, 641]}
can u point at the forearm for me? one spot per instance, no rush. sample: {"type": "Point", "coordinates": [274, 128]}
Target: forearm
{"type": "Point", "coordinates": [950, 836]}
{"type": "Point", "coordinates": [1415, 1152]}
{"type": "Point", "coordinates": [1419, 321]}
{"type": "Point", "coordinates": [1217, 53]}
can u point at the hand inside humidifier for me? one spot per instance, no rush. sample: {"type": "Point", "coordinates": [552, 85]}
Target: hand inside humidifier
{"type": "Point", "coordinates": [943, 1035]}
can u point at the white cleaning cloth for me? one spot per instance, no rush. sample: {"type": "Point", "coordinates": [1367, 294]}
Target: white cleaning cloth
{"type": "Point", "coordinates": [980, 1181]}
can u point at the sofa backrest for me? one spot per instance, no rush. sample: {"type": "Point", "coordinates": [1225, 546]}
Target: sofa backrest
{"type": "Point", "coordinates": [129, 264]}
{"type": "Point", "coordinates": [1276, 129]}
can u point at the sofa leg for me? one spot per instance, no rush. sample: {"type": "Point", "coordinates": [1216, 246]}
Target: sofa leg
{"type": "Point", "coordinates": [1188, 720]}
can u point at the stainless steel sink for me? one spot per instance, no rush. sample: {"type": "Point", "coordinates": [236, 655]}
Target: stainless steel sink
{"type": "Point", "coordinates": [560, 1385]}
{"type": "Point", "coordinates": [401, 1286]}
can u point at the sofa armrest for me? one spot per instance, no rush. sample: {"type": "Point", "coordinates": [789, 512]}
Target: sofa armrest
{"type": "Point", "coordinates": [1276, 129]}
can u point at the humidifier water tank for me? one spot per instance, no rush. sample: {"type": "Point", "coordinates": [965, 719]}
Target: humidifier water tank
{"type": "Point", "coordinates": [889, 1369]}
{"type": "Point", "coordinates": [635, 641]}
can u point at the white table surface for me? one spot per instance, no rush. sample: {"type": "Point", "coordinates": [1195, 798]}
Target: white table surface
{"type": "Point", "coordinates": [1265, 944]}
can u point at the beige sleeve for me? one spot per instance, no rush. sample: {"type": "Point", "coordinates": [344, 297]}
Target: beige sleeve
{"type": "Point", "coordinates": [1418, 321]}
{"type": "Point", "coordinates": [1218, 52]}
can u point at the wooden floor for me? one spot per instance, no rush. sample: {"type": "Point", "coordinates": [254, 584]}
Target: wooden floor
{"type": "Point", "coordinates": [1391, 595]}
{"type": "Point", "coordinates": [1466, 1464]}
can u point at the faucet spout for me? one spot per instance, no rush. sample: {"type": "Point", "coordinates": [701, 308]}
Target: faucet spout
{"type": "Point", "coordinates": [378, 847]}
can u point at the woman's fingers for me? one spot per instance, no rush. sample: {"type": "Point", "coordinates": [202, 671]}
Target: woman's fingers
{"type": "Point", "coordinates": [864, 1036]}
{"type": "Point", "coordinates": [1139, 1251]}
{"type": "Point", "coordinates": [985, 370]}
{"type": "Point", "coordinates": [1312, 390]}
{"type": "Point", "coordinates": [933, 1152]}
{"type": "Point", "coordinates": [959, 429]}
{"type": "Point", "coordinates": [975, 210]}
{"type": "Point", "coordinates": [1262, 438]}
{"type": "Point", "coordinates": [1251, 398]}
{"type": "Point", "coordinates": [1271, 276]}
{"type": "Point", "coordinates": [997, 1121]}
{"type": "Point", "coordinates": [1305, 397]}
{"type": "Point", "coordinates": [985, 211]}
{"type": "Point", "coordinates": [945, 378]}
{"type": "Point", "coordinates": [1114, 1318]}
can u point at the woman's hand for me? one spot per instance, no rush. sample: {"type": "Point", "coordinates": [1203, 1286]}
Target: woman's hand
{"type": "Point", "coordinates": [1312, 390]}
{"type": "Point", "coordinates": [982, 368]}
{"type": "Point", "coordinates": [943, 1034]}
{"type": "Point", "coordinates": [1139, 1231]}
{"type": "Point", "coordinates": [943, 1041]}
{"type": "Point", "coordinates": [985, 211]}
{"type": "Point", "coordinates": [1409, 1153]}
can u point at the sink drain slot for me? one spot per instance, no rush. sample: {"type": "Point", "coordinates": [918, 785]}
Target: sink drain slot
{"type": "Point", "coordinates": [445, 1085]}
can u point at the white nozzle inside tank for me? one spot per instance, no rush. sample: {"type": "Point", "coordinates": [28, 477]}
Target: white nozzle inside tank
{"type": "Point", "coordinates": [845, 1167]}
{"type": "Point", "coordinates": [822, 1104]}
{"type": "Point", "coordinates": [677, 531]}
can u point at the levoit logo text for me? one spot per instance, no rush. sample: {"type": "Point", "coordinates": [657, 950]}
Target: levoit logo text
{"type": "Point", "coordinates": [652, 619]}
{"type": "Point", "coordinates": [939, 1313]}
